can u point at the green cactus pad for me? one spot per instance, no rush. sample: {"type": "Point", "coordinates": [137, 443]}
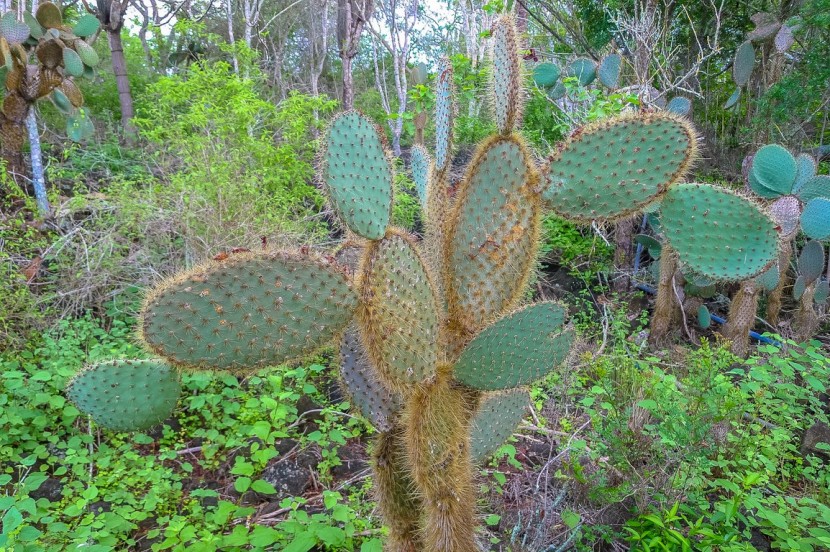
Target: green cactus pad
{"type": "Point", "coordinates": [584, 69]}
{"type": "Point", "coordinates": [546, 74]}
{"type": "Point", "coordinates": [609, 70]}
{"type": "Point", "coordinates": [497, 417]}
{"type": "Point", "coordinates": [87, 53]}
{"type": "Point", "coordinates": [806, 170]}
{"type": "Point", "coordinates": [12, 30]}
{"type": "Point", "coordinates": [768, 280]}
{"type": "Point", "coordinates": [399, 315]}
{"type": "Point", "coordinates": [704, 317]}
{"type": "Point", "coordinates": [358, 175]}
{"type": "Point", "coordinates": [62, 102]}
{"type": "Point", "coordinates": [772, 172]}
{"type": "Point", "coordinates": [817, 186]}
{"type": "Point", "coordinates": [248, 311]}
{"type": "Point", "coordinates": [35, 30]}
{"type": "Point", "coordinates": [558, 91]}
{"type": "Point", "coordinates": [732, 101]}
{"type": "Point", "coordinates": [811, 261]}
{"type": "Point", "coordinates": [822, 292]}
{"type": "Point", "coordinates": [375, 402]}
{"type": "Point", "coordinates": [517, 350]}
{"type": "Point", "coordinates": [653, 246]}
{"type": "Point", "coordinates": [718, 233]}
{"type": "Point", "coordinates": [492, 233]}
{"type": "Point", "coordinates": [815, 219]}
{"type": "Point", "coordinates": [79, 126]}
{"type": "Point", "coordinates": [613, 168]}
{"type": "Point", "coordinates": [444, 114]}
{"type": "Point", "coordinates": [86, 26]}
{"type": "Point", "coordinates": [507, 90]}
{"type": "Point", "coordinates": [786, 212]}
{"type": "Point", "coordinates": [680, 105]}
{"type": "Point", "coordinates": [420, 167]}
{"type": "Point", "coordinates": [799, 287]}
{"type": "Point", "coordinates": [743, 64]}
{"type": "Point", "coordinates": [126, 395]}
{"type": "Point", "coordinates": [49, 15]}
{"type": "Point", "coordinates": [72, 62]}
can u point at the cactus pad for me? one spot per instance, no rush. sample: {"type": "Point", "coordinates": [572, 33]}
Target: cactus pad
{"type": "Point", "coordinates": [768, 280]}
{"type": "Point", "coordinates": [358, 175]}
{"type": "Point", "coordinates": [718, 233]}
{"type": "Point", "coordinates": [495, 420]}
{"type": "Point", "coordinates": [558, 91]}
{"type": "Point", "coordinates": [126, 395]}
{"type": "Point", "coordinates": [420, 166]}
{"type": "Point", "coordinates": [786, 212]}
{"type": "Point", "coordinates": [87, 53]}
{"type": "Point", "coordinates": [613, 168]}
{"type": "Point", "coordinates": [546, 74]}
{"type": "Point", "coordinates": [584, 70]}
{"type": "Point", "coordinates": [806, 170]}
{"type": "Point", "coordinates": [492, 233]}
{"type": "Point", "coordinates": [680, 105]}
{"type": "Point", "coordinates": [732, 101]}
{"type": "Point", "coordinates": [507, 89]}
{"type": "Point", "coordinates": [444, 114]}
{"type": "Point", "coordinates": [822, 292]}
{"type": "Point", "coordinates": [72, 63]}
{"type": "Point", "coordinates": [609, 70]}
{"type": "Point", "coordinates": [815, 220]}
{"type": "Point", "coordinates": [704, 317]}
{"type": "Point", "coordinates": [248, 311]}
{"type": "Point", "coordinates": [811, 261]}
{"type": "Point", "coordinates": [49, 15]}
{"type": "Point", "coordinates": [743, 64]}
{"type": "Point", "coordinates": [817, 186]}
{"type": "Point", "coordinates": [516, 350]}
{"type": "Point", "coordinates": [12, 30]}
{"type": "Point", "coordinates": [799, 287]}
{"type": "Point", "coordinates": [375, 402]}
{"type": "Point", "coordinates": [86, 26]}
{"type": "Point", "coordinates": [772, 172]}
{"type": "Point", "coordinates": [398, 316]}
{"type": "Point", "coordinates": [653, 246]}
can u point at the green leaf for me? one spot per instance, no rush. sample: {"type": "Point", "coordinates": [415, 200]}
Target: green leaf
{"type": "Point", "coordinates": [12, 520]}
{"type": "Point", "coordinates": [492, 519]}
{"type": "Point", "coordinates": [571, 519]}
{"type": "Point", "coordinates": [263, 487]}
{"type": "Point", "coordinates": [374, 545]}
{"type": "Point", "coordinates": [242, 484]}
{"type": "Point", "coordinates": [303, 542]}
{"type": "Point", "coordinates": [263, 536]}
{"type": "Point", "coordinates": [332, 536]}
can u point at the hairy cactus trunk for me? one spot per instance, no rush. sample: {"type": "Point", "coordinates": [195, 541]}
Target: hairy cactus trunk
{"type": "Point", "coordinates": [667, 311]}
{"type": "Point", "coordinates": [775, 297]}
{"type": "Point", "coordinates": [741, 319]}
{"type": "Point", "coordinates": [806, 320]}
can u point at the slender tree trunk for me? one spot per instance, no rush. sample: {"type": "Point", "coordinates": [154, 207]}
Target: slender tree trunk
{"type": "Point", "coordinates": [119, 68]}
{"type": "Point", "coordinates": [231, 39]}
{"type": "Point", "coordinates": [348, 83]}
{"type": "Point", "coordinates": [38, 178]}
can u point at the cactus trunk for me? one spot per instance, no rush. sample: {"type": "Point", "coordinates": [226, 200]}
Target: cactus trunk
{"type": "Point", "coordinates": [667, 311]}
{"type": "Point", "coordinates": [741, 319]}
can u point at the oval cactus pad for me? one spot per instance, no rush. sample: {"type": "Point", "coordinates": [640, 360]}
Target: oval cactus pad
{"type": "Point", "coordinates": [496, 419]}
{"type": "Point", "coordinates": [516, 350]}
{"type": "Point", "coordinates": [126, 395]}
{"type": "Point", "coordinates": [613, 168]}
{"type": "Point", "coordinates": [358, 175]}
{"type": "Point", "coordinates": [718, 233]}
{"type": "Point", "coordinates": [248, 311]}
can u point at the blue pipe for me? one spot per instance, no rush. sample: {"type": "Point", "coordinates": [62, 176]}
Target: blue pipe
{"type": "Point", "coordinates": [754, 335]}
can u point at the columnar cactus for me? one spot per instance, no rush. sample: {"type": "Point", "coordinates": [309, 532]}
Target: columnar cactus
{"type": "Point", "coordinates": [437, 345]}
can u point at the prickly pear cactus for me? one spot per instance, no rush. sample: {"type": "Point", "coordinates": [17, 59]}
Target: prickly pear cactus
{"type": "Point", "coordinates": [436, 345]}
{"type": "Point", "coordinates": [39, 56]}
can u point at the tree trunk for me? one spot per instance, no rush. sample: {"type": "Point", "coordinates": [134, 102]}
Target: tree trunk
{"type": "Point", "coordinates": [806, 322]}
{"type": "Point", "coordinates": [38, 179]}
{"type": "Point", "coordinates": [623, 253]}
{"type": "Point", "coordinates": [119, 68]}
{"type": "Point", "coordinates": [348, 83]}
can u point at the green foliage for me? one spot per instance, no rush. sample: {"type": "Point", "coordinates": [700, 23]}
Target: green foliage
{"type": "Point", "coordinates": [235, 149]}
{"type": "Point", "coordinates": [570, 246]}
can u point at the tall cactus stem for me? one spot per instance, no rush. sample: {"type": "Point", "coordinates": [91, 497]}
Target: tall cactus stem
{"type": "Point", "coordinates": [437, 436]}
{"type": "Point", "coordinates": [667, 311]}
{"type": "Point", "coordinates": [806, 321]}
{"type": "Point", "coordinates": [741, 318]}
{"type": "Point", "coordinates": [394, 491]}
{"type": "Point", "coordinates": [774, 300]}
